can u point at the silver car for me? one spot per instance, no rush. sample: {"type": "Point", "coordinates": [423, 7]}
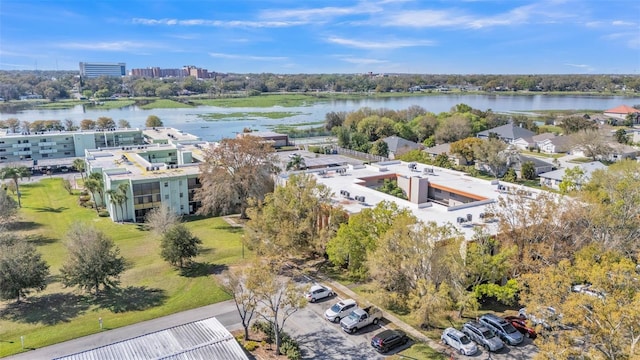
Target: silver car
{"type": "Point", "coordinates": [340, 310]}
{"type": "Point", "coordinates": [502, 328]}
{"type": "Point", "coordinates": [483, 336]}
{"type": "Point", "coordinates": [459, 341]}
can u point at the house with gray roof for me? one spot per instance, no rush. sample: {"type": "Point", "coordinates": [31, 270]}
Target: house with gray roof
{"type": "Point", "coordinates": [539, 165]}
{"type": "Point", "coordinates": [555, 145]}
{"type": "Point", "coordinates": [398, 146]}
{"type": "Point", "coordinates": [508, 133]}
{"type": "Point", "coordinates": [552, 179]}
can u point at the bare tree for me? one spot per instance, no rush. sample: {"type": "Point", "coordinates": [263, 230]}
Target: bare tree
{"type": "Point", "coordinates": [161, 219]}
{"type": "Point", "coordinates": [244, 298]}
{"type": "Point", "coordinates": [592, 143]}
{"type": "Point", "coordinates": [8, 207]}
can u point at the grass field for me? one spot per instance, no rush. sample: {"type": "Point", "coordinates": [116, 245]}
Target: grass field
{"type": "Point", "coordinates": [234, 116]}
{"type": "Point", "coordinates": [165, 104]}
{"type": "Point", "coordinates": [149, 288]}
{"type": "Point", "coordinates": [284, 100]}
{"type": "Point", "coordinates": [112, 104]}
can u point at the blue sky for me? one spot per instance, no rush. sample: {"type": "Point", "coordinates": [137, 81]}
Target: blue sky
{"type": "Point", "coordinates": [283, 36]}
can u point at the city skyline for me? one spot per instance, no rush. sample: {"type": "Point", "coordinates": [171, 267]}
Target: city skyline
{"type": "Point", "coordinates": [281, 36]}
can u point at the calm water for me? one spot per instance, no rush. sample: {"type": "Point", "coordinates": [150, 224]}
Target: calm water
{"type": "Point", "coordinates": [188, 120]}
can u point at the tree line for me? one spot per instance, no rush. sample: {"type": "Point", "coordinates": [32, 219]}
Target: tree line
{"type": "Point", "coordinates": [54, 85]}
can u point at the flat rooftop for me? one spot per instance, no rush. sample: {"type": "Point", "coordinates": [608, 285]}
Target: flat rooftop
{"type": "Point", "coordinates": [485, 190]}
{"type": "Point", "coordinates": [169, 134]}
{"type": "Point", "coordinates": [133, 162]}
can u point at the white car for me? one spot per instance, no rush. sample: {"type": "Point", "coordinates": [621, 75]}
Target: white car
{"type": "Point", "coordinates": [459, 341]}
{"type": "Point", "coordinates": [340, 310]}
{"type": "Point", "coordinates": [317, 292]}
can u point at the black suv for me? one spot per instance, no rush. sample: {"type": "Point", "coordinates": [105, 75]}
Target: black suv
{"type": "Point", "coordinates": [388, 340]}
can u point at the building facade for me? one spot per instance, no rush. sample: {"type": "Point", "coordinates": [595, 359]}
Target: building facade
{"type": "Point", "coordinates": [46, 145]}
{"type": "Point", "coordinates": [93, 70]}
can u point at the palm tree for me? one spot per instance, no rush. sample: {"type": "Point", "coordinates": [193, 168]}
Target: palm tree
{"type": "Point", "coordinates": [116, 198]}
{"type": "Point", "coordinates": [100, 189]}
{"type": "Point", "coordinates": [123, 188]}
{"type": "Point", "coordinates": [15, 173]}
{"type": "Point", "coordinates": [296, 162]}
{"type": "Point", "coordinates": [80, 166]}
{"type": "Point", "coordinates": [92, 186]}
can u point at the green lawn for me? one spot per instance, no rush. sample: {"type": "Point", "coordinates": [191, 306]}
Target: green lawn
{"type": "Point", "coordinates": [285, 100]}
{"type": "Point", "coordinates": [112, 104]}
{"type": "Point", "coordinates": [149, 288]}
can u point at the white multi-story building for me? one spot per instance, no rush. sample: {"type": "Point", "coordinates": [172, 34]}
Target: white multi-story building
{"type": "Point", "coordinates": [35, 148]}
{"type": "Point", "coordinates": [164, 172]}
{"type": "Point", "coordinates": [94, 70]}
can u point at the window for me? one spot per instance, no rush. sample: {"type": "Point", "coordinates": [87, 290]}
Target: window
{"type": "Point", "coordinates": [181, 207]}
{"type": "Point", "coordinates": [45, 155]}
{"type": "Point", "coordinates": [67, 153]}
{"type": "Point", "coordinates": [166, 184]}
{"type": "Point", "coordinates": [181, 194]}
{"type": "Point", "coordinates": [166, 197]}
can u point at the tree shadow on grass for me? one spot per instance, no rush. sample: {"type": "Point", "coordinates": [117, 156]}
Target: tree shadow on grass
{"type": "Point", "coordinates": [229, 228]}
{"type": "Point", "coordinates": [39, 239]}
{"type": "Point", "coordinates": [47, 309]}
{"type": "Point", "coordinates": [197, 269]}
{"type": "Point", "coordinates": [50, 209]}
{"type": "Point", "coordinates": [131, 298]}
{"type": "Point", "coordinates": [23, 225]}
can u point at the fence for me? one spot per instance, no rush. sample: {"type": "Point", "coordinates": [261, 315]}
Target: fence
{"type": "Point", "coordinates": [360, 155]}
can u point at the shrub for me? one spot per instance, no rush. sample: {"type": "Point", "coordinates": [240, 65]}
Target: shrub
{"type": "Point", "coordinates": [103, 213]}
{"type": "Point", "coordinates": [250, 345]}
{"type": "Point", "coordinates": [84, 198]}
{"type": "Point", "coordinates": [87, 204]}
{"type": "Point", "coordinates": [84, 192]}
{"type": "Point", "coordinates": [290, 348]}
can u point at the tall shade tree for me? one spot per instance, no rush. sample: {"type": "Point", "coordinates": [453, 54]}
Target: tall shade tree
{"type": "Point", "coordinates": [492, 153]}
{"type": "Point", "coordinates": [123, 190]}
{"type": "Point", "coordinates": [296, 218]}
{"type": "Point", "coordinates": [15, 173]}
{"type": "Point", "coordinates": [179, 245]}
{"type": "Point", "coordinates": [21, 269]}
{"type": "Point", "coordinates": [355, 239]}
{"type": "Point", "coordinates": [161, 219]}
{"type": "Point", "coordinates": [124, 124]}
{"type": "Point", "coordinates": [93, 186]}
{"type": "Point", "coordinates": [153, 121]}
{"type": "Point", "coordinates": [593, 144]}
{"type": "Point", "coordinates": [233, 172]}
{"type": "Point", "coordinates": [606, 319]}
{"type": "Point", "coordinates": [117, 200]}
{"type": "Point", "coordinates": [465, 148]}
{"type": "Point", "coordinates": [104, 122]}
{"type": "Point", "coordinates": [87, 124]}
{"type": "Point", "coordinates": [93, 260]}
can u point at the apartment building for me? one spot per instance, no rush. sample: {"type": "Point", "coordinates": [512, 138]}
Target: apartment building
{"type": "Point", "coordinates": [93, 70]}
{"type": "Point", "coordinates": [47, 145]}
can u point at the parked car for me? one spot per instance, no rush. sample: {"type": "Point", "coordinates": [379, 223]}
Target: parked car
{"type": "Point", "coordinates": [340, 310]}
{"type": "Point", "coordinates": [588, 290]}
{"type": "Point", "coordinates": [459, 341]}
{"type": "Point", "coordinates": [483, 336]}
{"type": "Point", "coordinates": [502, 328]}
{"type": "Point", "coordinates": [317, 292]}
{"type": "Point", "coordinates": [389, 339]}
{"type": "Point", "coordinates": [547, 317]}
{"type": "Point", "coordinates": [521, 325]}
{"type": "Point", "coordinates": [360, 318]}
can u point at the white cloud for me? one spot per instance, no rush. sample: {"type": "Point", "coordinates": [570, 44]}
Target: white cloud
{"type": "Point", "coordinates": [363, 61]}
{"type": "Point", "coordinates": [109, 46]}
{"type": "Point", "coordinates": [585, 67]}
{"type": "Point", "coordinates": [383, 45]}
{"type": "Point", "coordinates": [215, 23]}
{"type": "Point", "coordinates": [248, 57]}
{"type": "Point", "coordinates": [317, 14]}
{"type": "Point", "coordinates": [622, 23]}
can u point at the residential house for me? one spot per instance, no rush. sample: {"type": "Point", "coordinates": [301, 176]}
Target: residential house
{"type": "Point", "coordinates": [508, 133]}
{"type": "Point", "coordinates": [555, 145]}
{"type": "Point", "coordinates": [540, 165]}
{"type": "Point", "coordinates": [622, 151]}
{"type": "Point", "coordinates": [434, 151]}
{"type": "Point", "coordinates": [398, 146]}
{"type": "Point", "coordinates": [552, 179]}
{"type": "Point", "coordinates": [621, 112]}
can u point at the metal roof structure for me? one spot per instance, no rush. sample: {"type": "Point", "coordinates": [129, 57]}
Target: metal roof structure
{"type": "Point", "coordinates": [202, 339]}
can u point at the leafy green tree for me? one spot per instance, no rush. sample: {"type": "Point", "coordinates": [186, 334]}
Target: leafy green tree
{"type": "Point", "coordinates": [124, 124]}
{"type": "Point", "coordinates": [492, 153]}
{"type": "Point", "coordinates": [93, 259]}
{"type": "Point", "coordinates": [296, 218]}
{"type": "Point", "coordinates": [296, 163]}
{"type": "Point", "coordinates": [80, 166]}
{"type": "Point", "coordinates": [349, 248]}
{"type": "Point", "coordinates": [233, 172]}
{"type": "Point", "coordinates": [464, 148]}
{"type": "Point", "coordinates": [380, 148]}
{"type": "Point", "coordinates": [442, 160]}
{"type": "Point", "coordinates": [179, 245]}
{"type": "Point", "coordinates": [360, 142]}
{"type": "Point", "coordinates": [572, 179]}
{"type": "Point", "coordinates": [510, 176]}
{"type": "Point", "coordinates": [343, 135]}
{"type": "Point", "coordinates": [153, 121]}
{"type": "Point", "coordinates": [391, 187]}
{"type": "Point", "coordinates": [528, 170]}
{"type": "Point", "coordinates": [21, 269]}
{"type": "Point", "coordinates": [104, 122]}
{"type": "Point", "coordinates": [15, 173]}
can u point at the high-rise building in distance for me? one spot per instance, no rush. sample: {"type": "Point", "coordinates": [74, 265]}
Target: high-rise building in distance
{"type": "Point", "coordinates": [94, 70]}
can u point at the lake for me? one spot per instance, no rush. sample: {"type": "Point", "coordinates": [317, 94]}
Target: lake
{"type": "Point", "coordinates": [188, 120]}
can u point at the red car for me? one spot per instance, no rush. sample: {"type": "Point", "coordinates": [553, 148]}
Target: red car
{"type": "Point", "coordinates": [521, 325]}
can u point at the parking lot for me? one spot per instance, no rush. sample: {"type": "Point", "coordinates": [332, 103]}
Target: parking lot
{"type": "Point", "coordinates": [321, 339]}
